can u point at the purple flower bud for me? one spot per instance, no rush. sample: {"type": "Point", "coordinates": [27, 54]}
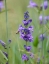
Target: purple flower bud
{"type": "Point", "coordinates": [27, 37]}
{"type": "Point", "coordinates": [25, 22]}
{"type": "Point", "coordinates": [29, 21]}
{"type": "Point", "coordinates": [45, 5]}
{"type": "Point", "coordinates": [40, 17]}
{"type": "Point", "coordinates": [24, 37]}
{"type": "Point", "coordinates": [25, 57]}
{"type": "Point", "coordinates": [5, 54]}
{"type": "Point", "coordinates": [48, 18]}
{"type": "Point", "coordinates": [26, 31]}
{"type": "Point", "coordinates": [42, 36]}
{"type": "Point", "coordinates": [38, 59]}
{"type": "Point", "coordinates": [45, 18]}
{"type": "Point", "coordinates": [32, 55]}
{"type": "Point", "coordinates": [3, 43]}
{"type": "Point", "coordinates": [26, 15]}
{"type": "Point", "coordinates": [20, 28]}
{"type": "Point", "coordinates": [1, 5]}
{"type": "Point", "coordinates": [31, 28]}
{"type": "Point", "coordinates": [32, 4]}
{"type": "Point", "coordinates": [10, 40]}
{"type": "Point", "coordinates": [30, 38]}
{"type": "Point", "coordinates": [28, 48]}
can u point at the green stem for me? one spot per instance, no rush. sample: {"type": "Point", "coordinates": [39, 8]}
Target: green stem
{"type": "Point", "coordinates": [26, 43]}
{"type": "Point", "coordinates": [6, 27]}
{"type": "Point", "coordinates": [42, 31]}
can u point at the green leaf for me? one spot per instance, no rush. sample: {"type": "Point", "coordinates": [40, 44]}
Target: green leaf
{"type": "Point", "coordinates": [44, 45]}
{"type": "Point", "coordinates": [47, 43]}
{"type": "Point", "coordinates": [36, 41]}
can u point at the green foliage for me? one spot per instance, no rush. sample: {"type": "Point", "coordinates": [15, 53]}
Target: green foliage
{"type": "Point", "coordinates": [36, 42]}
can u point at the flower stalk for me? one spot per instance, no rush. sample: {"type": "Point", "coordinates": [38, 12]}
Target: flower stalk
{"type": "Point", "coordinates": [7, 28]}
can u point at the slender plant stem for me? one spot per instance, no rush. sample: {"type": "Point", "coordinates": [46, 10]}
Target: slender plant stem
{"type": "Point", "coordinates": [6, 27]}
{"type": "Point", "coordinates": [48, 27]}
{"type": "Point", "coordinates": [42, 31]}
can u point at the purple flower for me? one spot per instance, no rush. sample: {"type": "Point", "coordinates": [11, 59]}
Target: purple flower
{"type": "Point", "coordinates": [30, 38]}
{"type": "Point", "coordinates": [28, 48]}
{"type": "Point", "coordinates": [21, 28]}
{"type": "Point", "coordinates": [3, 43]}
{"type": "Point", "coordinates": [26, 31]}
{"type": "Point", "coordinates": [29, 21]}
{"type": "Point", "coordinates": [40, 17]}
{"type": "Point", "coordinates": [5, 54]}
{"type": "Point", "coordinates": [1, 5]}
{"type": "Point", "coordinates": [48, 18]}
{"type": "Point", "coordinates": [38, 59]}
{"type": "Point", "coordinates": [26, 15]}
{"type": "Point", "coordinates": [32, 4]}
{"type": "Point", "coordinates": [45, 18]}
{"type": "Point", "coordinates": [42, 36]}
{"type": "Point", "coordinates": [25, 22]}
{"type": "Point", "coordinates": [45, 5]}
{"type": "Point", "coordinates": [24, 37]}
{"type": "Point", "coordinates": [25, 57]}
{"type": "Point", "coordinates": [27, 37]}
{"type": "Point", "coordinates": [31, 55]}
{"type": "Point", "coordinates": [26, 34]}
{"type": "Point", "coordinates": [31, 28]}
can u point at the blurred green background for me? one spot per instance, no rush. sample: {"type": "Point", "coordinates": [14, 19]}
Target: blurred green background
{"type": "Point", "coordinates": [15, 11]}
